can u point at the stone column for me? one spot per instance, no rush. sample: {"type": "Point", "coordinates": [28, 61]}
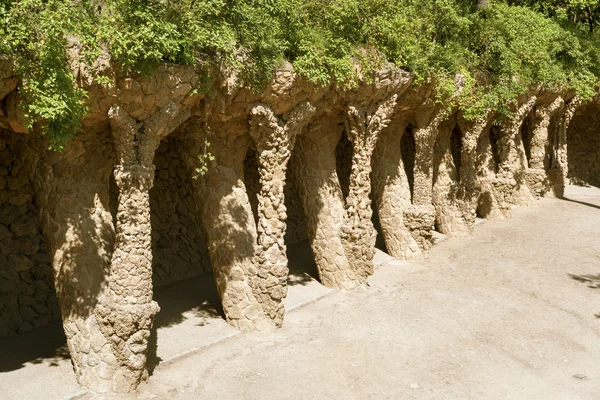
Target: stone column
{"type": "Point", "coordinates": [477, 171]}
{"type": "Point", "coordinates": [420, 218]}
{"type": "Point", "coordinates": [126, 314]}
{"type": "Point", "coordinates": [317, 183]}
{"type": "Point", "coordinates": [510, 184]}
{"type": "Point", "coordinates": [559, 165]}
{"type": "Point", "coordinates": [536, 176]}
{"type": "Point", "coordinates": [363, 127]}
{"type": "Point", "coordinates": [391, 193]}
{"type": "Point", "coordinates": [274, 139]}
{"type": "Point", "coordinates": [229, 224]}
{"type": "Point", "coordinates": [449, 218]}
{"type": "Point", "coordinates": [72, 189]}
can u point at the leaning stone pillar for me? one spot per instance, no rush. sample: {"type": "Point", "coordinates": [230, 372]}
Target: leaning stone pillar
{"type": "Point", "coordinates": [274, 139]}
{"type": "Point", "coordinates": [509, 183]}
{"type": "Point", "coordinates": [449, 218]}
{"type": "Point", "coordinates": [559, 165]}
{"type": "Point", "coordinates": [317, 183]}
{"type": "Point", "coordinates": [420, 218]}
{"type": "Point", "coordinates": [363, 127]}
{"type": "Point", "coordinates": [72, 189]}
{"type": "Point", "coordinates": [229, 224]}
{"type": "Point", "coordinates": [391, 193]}
{"type": "Point", "coordinates": [477, 171]}
{"type": "Point", "coordinates": [126, 314]}
{"type": "Point", "coordinates": [536, 174]}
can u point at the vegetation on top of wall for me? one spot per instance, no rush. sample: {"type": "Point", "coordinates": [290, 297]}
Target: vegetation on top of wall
{"type": "Point", "coordinates": [501, 48]}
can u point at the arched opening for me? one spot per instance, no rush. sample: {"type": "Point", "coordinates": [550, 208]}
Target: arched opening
{"type": "Point", "coordinates": [343, 159]}
{"type": "Point", "coordinates": [408, 155]}
{"type": "Point", "coordinates": [583, 146]}
{"type": "Point", "coordinates": [486, 166]}
{"type": "Point", "coordinates": [493, 136]}
{"type": "Point", "coordinates": [484, 205]}
{"type": "Point", "coordinates": [526, 136]}
{"type": "Point", "coordinates": [252, 180]}
{"type": "Point", "coordinates": [184, 287]}
{"type": "Point", "coordinates": [178, 243]}
{"type": "Point", "coordinates": [455, 148]}
{"type": "Point", "coordinates": [446, 156]}
{"type": "Point", "coordinates": [300, 262]}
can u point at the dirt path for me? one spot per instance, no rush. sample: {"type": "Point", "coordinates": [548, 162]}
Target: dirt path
{"type": "Point", "coordinates": [509, 313]}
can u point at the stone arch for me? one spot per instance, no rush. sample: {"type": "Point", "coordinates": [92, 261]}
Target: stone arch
{"type": "Point", "coordinates": [493, 136]}
{"type": "Point", "coordinates": [392, 192]}
{"type": "Point", "coordinates": [252, 180]}
{"type": "Point", "coordinates": [178, 242]}
{"type": "Point", "coordinates": [408, 148]}
{"type": "Point", "coordinates": [526, 132]}
{"type": "Point", "coordinates": [583, 146]}
{"type": "Point", "coordinates": [319, 153]}
{"type": "Point", "coordinates": [343, 159]}
{"type": "Point", "coordinates": [456, 139]}
{"type": "Point", "coordinates": [449, 218]}
{"type": "Point", "coordinates": [486, 166]}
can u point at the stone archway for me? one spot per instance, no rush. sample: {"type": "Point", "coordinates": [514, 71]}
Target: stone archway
{"type": "Point", "coordinates": [583, 146]}
{"type": "Point", "coordinates": [178, 243]}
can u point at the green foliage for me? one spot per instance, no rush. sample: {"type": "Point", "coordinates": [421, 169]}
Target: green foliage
{"type": "Point", "coordinates": [34, 32]}
{"type": "Point", "coordinates": [500, 50]}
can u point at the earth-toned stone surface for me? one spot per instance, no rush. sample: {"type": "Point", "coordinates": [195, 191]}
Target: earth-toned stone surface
{"type": "Point", "coordinates": [500, 314]}
{"type": "Point", "coordinates": [170, 177]}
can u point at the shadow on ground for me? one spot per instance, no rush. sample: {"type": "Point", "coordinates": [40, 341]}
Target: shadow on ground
{"type": "Point", "coordinates": [301, 264]}
{"type": "Point", "coordinates": [581, 202]}
{"type": "Point", "coordinates": [593, 282]}
{"type": "Point", "coordinates": [177, 300]}
{"type": "Point", "coordinates": [46, 345]}
{"type": "Point", "coordinates": [197, 295]}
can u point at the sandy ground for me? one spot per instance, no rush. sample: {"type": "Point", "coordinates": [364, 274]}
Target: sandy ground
{"type": "Point", "coordinates": [512, 312]}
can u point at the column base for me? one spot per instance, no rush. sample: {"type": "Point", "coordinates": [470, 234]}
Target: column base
{"type": "Point", "coordinates": [536, 181]}
{"type": "Point", "coordinates": [450, 220]}
{"type": "Point", "coordinates": [556, 183]}
{"type": "Point", "coordinates": [127, 329]}
{"type": "Point", "coordinates": [420, 220]}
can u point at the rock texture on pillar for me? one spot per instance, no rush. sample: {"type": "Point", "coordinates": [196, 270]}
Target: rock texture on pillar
{"type": "Point", "coordinates": [317, 183]}
{"type": "Point", "coordinates": [509, 184]}
{"type": "Point", "coordinates": [274, 140]}
{"type": "Point", "coordinates": [391, 192]}
{"type": "Point", "coordinates": [226, 213]}
{"type": "Point", "coordinates": [363, 127]}
{"type": "Point", "coordinates": [559, 166]}
{"type": "Point", "coordinates": [449, 218]}
{"type": "Point", "coordinates": [536, 176]}
{"type": "Point", "coordinates": [420, 218]}
{"type": "Point", "coordinates": [477, 172]}
{"type": "Point", "coordinates": [72, 189]}
{"type": "Point", "coordinates": [126, 314]}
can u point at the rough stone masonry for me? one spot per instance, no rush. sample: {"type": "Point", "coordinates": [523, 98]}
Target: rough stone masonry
{"type": "Point", "coordinates": [163, 183]}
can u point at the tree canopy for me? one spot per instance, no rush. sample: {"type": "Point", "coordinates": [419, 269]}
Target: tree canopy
{"type": "Point", "coordinates": [502, 47]}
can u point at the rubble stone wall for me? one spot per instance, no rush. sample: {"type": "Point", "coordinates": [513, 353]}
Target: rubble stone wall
{"type": "Point", "coordinates": [583, 146]}
{"type": "Point", "coordinates": [27, 294]}
{"type": "Point", "coordinates": [178, 242]}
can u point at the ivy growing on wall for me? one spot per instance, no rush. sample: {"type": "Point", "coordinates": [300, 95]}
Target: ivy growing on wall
{"type": "Point", "coordinates": [501, 48]}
